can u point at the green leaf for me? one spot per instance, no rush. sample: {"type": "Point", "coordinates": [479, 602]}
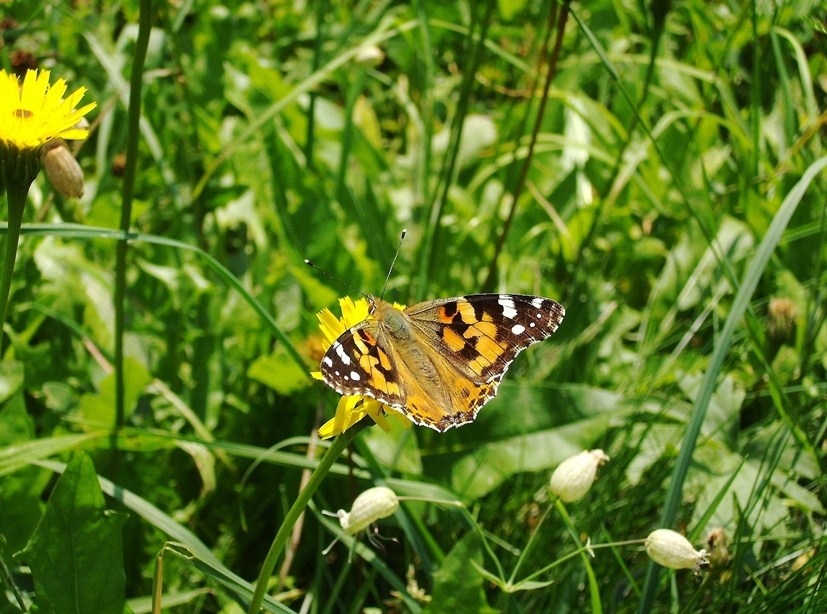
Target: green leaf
{"type": "Point", "coordinates": [491, 464]}
{"type": "Point", "coordinates": [76, 553]}
{"type": "Point", "coordinates": [724, 406]}
{"type": "Point", "coordinates": [11, 379]}
{"type": "Point", "coordinates": [509, 8]}
{"type": "Point", "coordinates": [279, 372]}
{"type": "Point", "coordinates": [20, 504]}
{"type": "Point", "coordinates": [458, 588]}
{"type": "Point", "coordinates": [99, 407]}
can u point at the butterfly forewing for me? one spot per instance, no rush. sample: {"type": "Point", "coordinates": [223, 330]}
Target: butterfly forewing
{"type": "Point", "coordinates": [480, 334]}
{"type": "Point", "coordinates": [362, 361]}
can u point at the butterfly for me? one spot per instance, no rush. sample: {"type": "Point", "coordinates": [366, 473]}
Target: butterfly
{"type": "Point", "coordinates": [438, 362]}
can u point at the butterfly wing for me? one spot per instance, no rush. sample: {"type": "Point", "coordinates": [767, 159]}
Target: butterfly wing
{"type": "Point", "coordinates": [369, 360]}
{"type": "Point", "coordinates": [481, 334]}
{"type": "Point", "coordinates": [362, 362]}
{"type": "Point", "coordinates": [474, 340]}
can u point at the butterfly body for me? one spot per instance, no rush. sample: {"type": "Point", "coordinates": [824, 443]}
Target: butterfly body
{"type": "Point", "coordinates": [438, 362]}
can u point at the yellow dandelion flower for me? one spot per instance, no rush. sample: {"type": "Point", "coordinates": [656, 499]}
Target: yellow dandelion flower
{"type": "Point", "coordinates": [35, 113]}
{"type": "Point", "coordinates": [351, 409]}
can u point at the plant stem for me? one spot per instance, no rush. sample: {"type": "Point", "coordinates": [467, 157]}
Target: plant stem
{"type": "Point", "coordinates": [303, 498]}
{"type": "Point", "coordinates": [17, 205]}
{"type": "Point", "coordinates": [133, 129]}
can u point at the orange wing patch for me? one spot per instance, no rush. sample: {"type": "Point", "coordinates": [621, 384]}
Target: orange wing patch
{"type": "Point", "coordinates": [452, 339]}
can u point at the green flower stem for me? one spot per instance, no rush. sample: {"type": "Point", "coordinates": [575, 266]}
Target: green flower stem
{"type": "Point", "coordinates": [17, 205]}
{"type": "Point", "coordinates": [133, 128]}
{"type": "Point", "coordinates": [303, 498]}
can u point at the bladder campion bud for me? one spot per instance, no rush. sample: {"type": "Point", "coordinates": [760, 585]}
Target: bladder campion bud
{"type": "Point", "coordinates": [574, 476]}
{"type": "Point", "coordinates": [673, 550]}
{"type": "Point", "coordinates": [373, 504]}
{"type": "Point", "coordinates": [370, 57]}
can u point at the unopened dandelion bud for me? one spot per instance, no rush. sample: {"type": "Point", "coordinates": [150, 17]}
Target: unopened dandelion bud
{"type": "Point", "coordinates": [370, 57]}
{"type": "Point", "coordinates": [63, 170]}
{"type": "Point", "coordinates": [373, 504]}
{"type": "Point", "coordinates": [781, 316]}
{"type": "Point", "coordinates": [574, 476]}
{"type": "Point", "coordinates": [673, 550]}
{"type": "Point", "coordinates": [717, 547]}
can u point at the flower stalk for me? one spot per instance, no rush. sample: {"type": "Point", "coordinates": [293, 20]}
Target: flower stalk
{"type": "Point", "coordinates": [18, 168]}
{"type": "Point", "coordinates": [302, 499]}
{"type": "Point", "coordinates": [17, 204]}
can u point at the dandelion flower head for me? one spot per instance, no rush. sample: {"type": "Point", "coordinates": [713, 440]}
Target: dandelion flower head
{"type": "Point", "coordinates": [35, 112]}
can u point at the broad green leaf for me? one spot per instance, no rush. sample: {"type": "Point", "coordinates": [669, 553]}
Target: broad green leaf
{"type": "Point", "coordinates": [99, 407]}
{"type": "Point", "coordinates": [724, 406]}
{"type": "Point", "coordinates": [509, 8]}
{"type": "Point", "coordinates": [397, 449]}
{"type": "Point", "coordinates": [489, 465]}
{"type": "Point", "coordinates": [76, 552]}
{"type": "Point", "coordinates": [279, 372]}
{"type": "Point", "coordinates": [20, 501]}
{"type": "Point", "coordinates": [173, 529]}
{"type": "Point", "coordinates": [11, 380]}
{"type": "Point", "coordinates": [734, 241]}
{"type": "Point", "coordinates": [458, 587]}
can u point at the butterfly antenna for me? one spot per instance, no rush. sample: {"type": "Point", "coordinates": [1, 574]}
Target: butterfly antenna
{"type": "Point", "coordinates": [337, 280]}
{"type": "Point", "coordinates": [393, 262]}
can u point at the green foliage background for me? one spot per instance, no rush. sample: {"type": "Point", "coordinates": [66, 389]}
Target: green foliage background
{"type": "Point", "coordinates": [657, 168]}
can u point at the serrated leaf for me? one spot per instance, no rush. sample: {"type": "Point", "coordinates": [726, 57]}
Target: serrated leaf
{"type": "Point", "coordinates": [76, 552]}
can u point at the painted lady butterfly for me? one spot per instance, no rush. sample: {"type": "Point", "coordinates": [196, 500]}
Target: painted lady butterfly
{"type": "Point", "coordinates": [438, 362]}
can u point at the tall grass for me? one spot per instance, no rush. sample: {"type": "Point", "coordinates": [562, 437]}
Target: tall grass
{"type": "Point", "coordinates": [659, 173]}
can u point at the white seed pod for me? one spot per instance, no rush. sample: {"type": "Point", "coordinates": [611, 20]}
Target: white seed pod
{"type": "Point", "coordinates": [574, 476]}
{"type": "Point", "coordinates": [370, 57]}
{"type": "Point", "coordinates": [673, 550]}
{"type": "Point", "coordinates": [63, 170]}
{"type": "Point", "coordinates": [373, 504]}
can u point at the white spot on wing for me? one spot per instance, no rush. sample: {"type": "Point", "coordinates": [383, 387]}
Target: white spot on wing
{"type": "Point", "coordinates": [507, 303]}
{"type": "Point", "coordinates": [340, 352]}
{"type": "Point", "coordinates": [327, 361]}
{"type": "Point", "coordinates": [518, 329]}
{"type": "Point", "coordinates": [538, 301]}
{"type": "Point", "coordinates": [354, 376]}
